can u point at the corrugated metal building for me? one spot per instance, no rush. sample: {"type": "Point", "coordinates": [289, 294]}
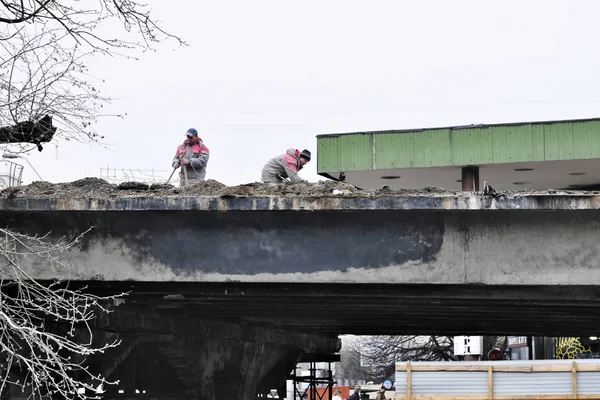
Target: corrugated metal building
{"type": "Point", "coordinates": [512, 156]}
{"type": "Point", "coordinates": [504, 380]}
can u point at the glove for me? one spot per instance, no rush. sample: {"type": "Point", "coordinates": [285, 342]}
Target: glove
{"type": "Point", "coordinates": [184, 161]}
{"type": "Point", "coordinates": [175, 165]}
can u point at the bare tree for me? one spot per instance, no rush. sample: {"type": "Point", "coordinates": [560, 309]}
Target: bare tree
{"type": "Point", "coordinates": [351, 371]}
{"type": "Point", "coordinates": [379, 354]}
{"type": "Point", "coordinates": [46, 92]}
{"type": "Point", "coordinates": [46, 88]}
{"type": "Point", "coordinates": [45, 329]}
{"type": "Point", "coordinates": [390, 349]}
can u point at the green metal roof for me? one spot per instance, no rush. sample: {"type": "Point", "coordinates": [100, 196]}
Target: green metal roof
{"type": "Point", "coordinates": [459, 145]}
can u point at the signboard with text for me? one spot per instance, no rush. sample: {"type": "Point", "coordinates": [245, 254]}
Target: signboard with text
{"type": "Point", "coordinates": [468, 345]}
{"type": "Point", "coordinates": [515, 341]}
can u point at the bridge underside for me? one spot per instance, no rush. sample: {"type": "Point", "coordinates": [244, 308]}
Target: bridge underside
{"type": "Point", "coordinates": [332, 309]}
{"type": "Point", "coordinates": [189, 340]}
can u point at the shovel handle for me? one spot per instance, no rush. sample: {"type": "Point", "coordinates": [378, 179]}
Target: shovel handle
{"type": "Point", "coordinates": [170, 176]}
{"type": "Point", "coordinates": [185, 174]}
{"type": "Point", "coordinates": [182, 167]}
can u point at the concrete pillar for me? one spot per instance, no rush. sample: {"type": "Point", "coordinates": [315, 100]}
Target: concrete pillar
{"type": "Point", "coordinates": [470, 179]}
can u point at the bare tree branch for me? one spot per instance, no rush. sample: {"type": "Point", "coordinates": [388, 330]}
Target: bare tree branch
{"type": "Point", "coordinates": [81, 18]}
{"type": "Point", "coordinates": [378, 355]}
{"type": "Point", "coordinates": [44, 46]}
{"type": "Point", "coordinates": [47, 92]}
{"type": "Point", "coordinates": [40, 360]}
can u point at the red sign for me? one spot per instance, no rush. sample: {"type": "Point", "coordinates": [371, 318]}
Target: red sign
{"type": "Point", "coordinates": [495, 354]}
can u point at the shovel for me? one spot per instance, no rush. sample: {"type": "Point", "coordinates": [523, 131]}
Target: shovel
{"type": "Point", "coordinates": [184, 173]}
{"type": "Point", "coordinates": [170, 176]}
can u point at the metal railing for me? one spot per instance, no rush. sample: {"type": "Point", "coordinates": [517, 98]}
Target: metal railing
{"type": "Point", "coordinates": [11, 174]}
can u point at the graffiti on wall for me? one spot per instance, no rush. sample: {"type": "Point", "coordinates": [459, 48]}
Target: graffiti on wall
{"type": "Point", "coordinates": [568, 348]}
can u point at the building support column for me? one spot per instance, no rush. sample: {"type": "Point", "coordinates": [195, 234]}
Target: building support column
{"type": "Point", "coordinates": [470, 179]}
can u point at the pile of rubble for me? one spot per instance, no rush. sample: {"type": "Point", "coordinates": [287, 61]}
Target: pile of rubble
{"type": "Point", "coordinates": [99, 188]}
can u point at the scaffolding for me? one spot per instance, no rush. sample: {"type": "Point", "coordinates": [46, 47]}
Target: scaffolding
{"type": "Point", "coordinates": [319, 388]}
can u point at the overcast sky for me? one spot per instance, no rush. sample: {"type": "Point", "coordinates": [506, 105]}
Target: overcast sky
{"type": "Point", "coordinates": [261, 76]}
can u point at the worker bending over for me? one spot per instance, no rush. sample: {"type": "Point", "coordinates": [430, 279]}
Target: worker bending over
{"type": "Point", "coordinates": [192, 156]}
{"type": "Point", "coordinates": [285, 166]}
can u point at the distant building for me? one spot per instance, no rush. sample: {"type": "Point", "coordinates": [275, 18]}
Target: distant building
{"type": "Point", "coordinates": [513, 156]}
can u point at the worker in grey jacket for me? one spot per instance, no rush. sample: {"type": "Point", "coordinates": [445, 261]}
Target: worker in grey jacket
{"type": "Point", "coordinates": [193, 156]}
{"type": "Point", "coordinates": [285, 166]}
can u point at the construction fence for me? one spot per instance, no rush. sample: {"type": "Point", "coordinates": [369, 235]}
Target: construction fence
{"type": "Point", "coordinates": [498, 380]}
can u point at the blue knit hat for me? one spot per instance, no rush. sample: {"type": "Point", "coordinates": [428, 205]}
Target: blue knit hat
{"type": "Point", "coordinates": [191, 132]}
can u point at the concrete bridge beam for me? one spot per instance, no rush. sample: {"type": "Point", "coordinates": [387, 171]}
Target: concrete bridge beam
{"type": "Point", "coordinates": [208, 359]}
{"type": "Point", "coordinates": [491, 247]}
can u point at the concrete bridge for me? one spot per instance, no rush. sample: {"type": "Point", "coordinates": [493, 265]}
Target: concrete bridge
{"type": "Point", "coordinates": [221, 286]}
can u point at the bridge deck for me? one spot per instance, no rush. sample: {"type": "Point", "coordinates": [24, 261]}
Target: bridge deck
{"type": "Point", "coordinates": [317, 261]}
{"type": "Point", "coordinates": [552, 200]}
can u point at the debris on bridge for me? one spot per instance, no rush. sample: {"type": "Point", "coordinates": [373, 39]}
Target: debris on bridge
{"type": "Point", "coordinates": [99, 188]}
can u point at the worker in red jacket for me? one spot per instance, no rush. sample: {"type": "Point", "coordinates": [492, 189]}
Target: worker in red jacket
{"type": "Point", "coordinates": [192, 156]}
{"type": "Point", "coordinates": [285, 166]}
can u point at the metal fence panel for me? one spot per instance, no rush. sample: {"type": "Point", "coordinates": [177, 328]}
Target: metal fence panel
{"type": "Point", "coordinates": [536, 383]}
{"type": "Point", "coordinates": [588, 382]}
{"type": "Point", "coordinates": [532, 383]}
